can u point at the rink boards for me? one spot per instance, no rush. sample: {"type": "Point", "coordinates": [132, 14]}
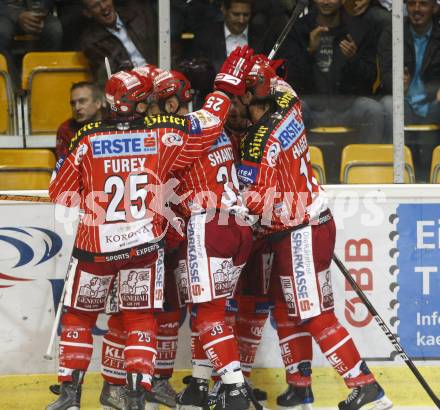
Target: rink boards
{"type": "Point", "coordinates": [388, 236]}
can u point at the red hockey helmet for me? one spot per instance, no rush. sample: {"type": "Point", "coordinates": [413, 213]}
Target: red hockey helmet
{"type": "Point", "coordinates": [124, 90]}
{"type": "Point", "coordinates": [148, 70]}
{"type": "Point", "coordinates": [261, 79]}
{"type": "Point", "coordinates": [169, 83]}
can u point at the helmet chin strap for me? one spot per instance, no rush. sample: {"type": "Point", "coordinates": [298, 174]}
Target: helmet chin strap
{"type": "Point", "coordinates": [118, 117]}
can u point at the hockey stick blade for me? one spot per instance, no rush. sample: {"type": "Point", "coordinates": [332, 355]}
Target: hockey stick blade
{"type": "Point", "coordinates": [397, 346]}
{"type": "Point", "coordinates": [299, 7]}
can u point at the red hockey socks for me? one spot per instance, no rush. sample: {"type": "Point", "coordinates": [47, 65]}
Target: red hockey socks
{"type": "Point", "coordinates": [339, 349]}
{"type": "Point", "coordinates": [251, 318]}
{"type": "Point", "coordinates": [113, 345]}
{"type": "Point", "coordinates": [140, 351]}
{"type": "Point", "coordinates": [167, 335]}
{"type": "Point", "coordinates": [76, 342]}
{"type": "Point", "coordinates": [218, 340]}
{"type": "Point", "coordinates": [201, 365]}
{"type": "Point", "coordinates": [296, 347]}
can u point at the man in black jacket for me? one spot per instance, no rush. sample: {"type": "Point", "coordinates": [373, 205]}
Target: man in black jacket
{"type": "Point", "coordinates": [331, 64]}
{"type": "Point", "coordinates": [215, 41]}
{"type": "Point", "coordinates": [30, 17]}
{"type": "Point", "coordinates": [421, 80]}
{"type": "Point", "coordinates": [126, 35]}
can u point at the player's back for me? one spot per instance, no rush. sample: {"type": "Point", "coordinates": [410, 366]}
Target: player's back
{"type": "Point", "coordinates": [275, 155]}
{"type": "Point", "coordinates": [211, 181]}
{"type": "Point", "coordinates": [118, 169]}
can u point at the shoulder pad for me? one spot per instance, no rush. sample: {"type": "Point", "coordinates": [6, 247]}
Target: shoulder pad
{"type": "Point", "coordinates": [285, 101]}
{"type": "Point", "coordinates": [166, 121]}
{"type": "Point", "coordinates": [89, 128]}
{"type": "Point", "coordinates": [252, 146]}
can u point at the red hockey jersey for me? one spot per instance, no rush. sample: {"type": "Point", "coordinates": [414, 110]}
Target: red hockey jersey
{"type": "Point", "coordinates": [211, 182]}
{"type": "Point", "coordinates": [118, 173]}
{"type": "Point", "coordinates": [275, 168]}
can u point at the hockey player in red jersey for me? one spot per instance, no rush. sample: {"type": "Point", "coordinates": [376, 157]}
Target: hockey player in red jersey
{"type": "Point", "coordinates": [168, 323]}
{"type": "Point", "coordinates": [294, 218]}
{"type": "Point", "coordinates": [168, 318]}
{"type": "Point", "coordinates": [115, 171]}
{"type": "Point", "coordinates": [249, 309]}
{"type": "Point", "coordinates": [216, 250]}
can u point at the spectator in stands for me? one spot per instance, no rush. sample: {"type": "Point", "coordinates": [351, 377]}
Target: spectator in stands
{"type": "Point", "coordinates": [127, 35]}
{"type": "Point", "coordinates": [332, 65]}
{"type": "Point", "coordinates": [29, 17]}
{"type": "Point", "coordinates": [421, 80]}
{"type": "Point", "coordinates": [73, 21]}
{"type": "Point", "coordinates": [376, 12]}
{"type": "Point", "coordinates": [216, 40]}
{"type": "Point", "coordinates": [188, 17]}
{"type": "Point", "coordinates": [86, 102]}
{"type": "Point", "coordinates": [268, 17]}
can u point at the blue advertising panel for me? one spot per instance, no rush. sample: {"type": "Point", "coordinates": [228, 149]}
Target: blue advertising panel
{"type": "Point", "coordinates": [419, 279]}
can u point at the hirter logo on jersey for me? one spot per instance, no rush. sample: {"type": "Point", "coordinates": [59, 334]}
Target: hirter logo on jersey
{"type": "Point", "coordinates": [124, 144]}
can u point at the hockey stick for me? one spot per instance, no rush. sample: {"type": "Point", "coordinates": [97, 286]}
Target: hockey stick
{"type": "Point", "coordinates": [299, 7]}
{"type": "Point", "coordinates": [48, 355]}
{"type": "Point", "coordinates": [107, 67]}
{"type": "Point", "coordinates": [53, 334]}
{"type": "Point", "coordinates": [24, 198]}
{"type": "Point", "coordinates": [397, 346]}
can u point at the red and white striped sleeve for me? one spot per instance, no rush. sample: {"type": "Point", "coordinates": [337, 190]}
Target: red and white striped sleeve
{"type": "Point", "coordinates": [205, 126]}
{"type": "Point", "coordinates": [262, 190]}
{"type": "Point", "coordinates": [65, 184]}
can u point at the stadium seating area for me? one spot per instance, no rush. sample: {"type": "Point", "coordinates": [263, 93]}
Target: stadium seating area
{"type": "Point", "coordinates": [44, 104]}
{"type": "Point", "coordinates": [7, 106]}
{"type": "Point", "coordinates": [25, 168]}
{"type": "Point", "coordinates": [46, 81]}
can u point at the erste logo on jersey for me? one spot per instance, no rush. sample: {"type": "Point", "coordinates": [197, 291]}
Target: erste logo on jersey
{"type": "Point", "coordinates": [290, 130]}
{"type": "Point", "coordinates": [221, 141]}
{"type": "Point", "coordinates": [121, 144]}
{"type": "Point", "coordinates": [171, 139]}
